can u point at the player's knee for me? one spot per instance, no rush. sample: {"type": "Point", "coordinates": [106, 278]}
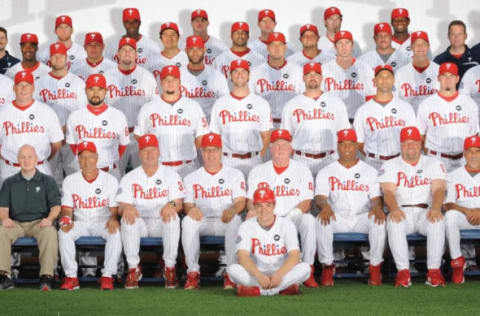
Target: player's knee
{"type": "Point", "coordinates": [451, 218]}
{"type": "Point", "coordinates": [189, 223]}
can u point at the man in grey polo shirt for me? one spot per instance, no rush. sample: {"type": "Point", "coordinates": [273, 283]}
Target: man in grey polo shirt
{"type": "Point", "coordinates": [29, 203]}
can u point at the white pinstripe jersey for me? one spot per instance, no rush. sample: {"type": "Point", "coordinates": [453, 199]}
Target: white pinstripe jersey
{"type": "Point", "coordinates": [83, 68]}
{"type": "Point", "coordinates": [277, 86]}
{"type": "Point", "coordinates": [327, 46]}
{"type": "Point", "coordinates": [214, 193]}
{"type": "Point", "coordinates": [38, 71]}
{"type": "Point", "coordinates": [223, 61]}
{"type": "Point", "coordinates": [300, 59]}
{"type": "Point", "coordinates": [349, 190]}
{"type": "Point", "coordinates": [292, 186]}
{"type": "Point", "coordinates": [90, 201]}
{"type": "Point", "coordinates": [150, 194]}
{"type": "Point", "coordinates": [413, 86]}
{"type": "Point", "coordinates": [6, 90]}
{"type": "Point", "coordinates": [470, 84]}
{"type": "Point", "coordinates": [157, 62]}
{"type": "Point", "coordinates": [129, 93]}
{"type": "Point", "coordinates": [106, 130]}
{"type": "Point", "coordinates": [147, 49]}
{"type": "Point", "coordinates": [406, 48]}
{"type": "Point", "coordinates": [36, 125]}
{"type": "Point", "coordinates": [463, 188]}
{"type": "Point", "coordinates": [378, 125]}
{"type": "Point", "coordinates": [74, 54]}
{"type": "Point", "coordinates": [413, 182]}
{"type": "Point", "coordinates": [313, 124]}
{"type": "Point", "coordinates": [64, 95]}
{"type": "Point", "coordinates": [175, 125]}
{"type": "Point", "coordinates": [397, 60]}
{"type": "Point", "coordinates": [213, 47]}
{"type": "Point", "coordinates": [352, 85]}
{"type": "Point", "coordinates": [447, 123]}
{"type": "Point", "coordinates": [261, 48]}
{"type": "Point", "coordinates": [240, 122]}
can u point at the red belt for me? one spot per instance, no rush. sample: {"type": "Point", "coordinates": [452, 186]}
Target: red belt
{"type": "Point", "coordinates": [106, 169]}
{"type": "Point", "coordinates": [277, 120]}
{"type": "Point", "coordinates": [242, 156]}
{"type": "Point", "coordinates": [421, 205]}
{"type": "Point", "coordinates": [453, 157]}
{"type": "Point", "coordinates": [314, 156]}
{"type": "Point", "coordinates": [130, 129]}
{"type": "Point", "coordinates": [11, 163]}
{"type": "Point", "coordinates": [382, 157]}
{"type": "Point", "coordinates": [175, 163]}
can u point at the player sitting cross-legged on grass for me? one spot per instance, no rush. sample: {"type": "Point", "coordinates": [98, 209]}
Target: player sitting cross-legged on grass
{"type": "Point", "coordinates": [268, 252]}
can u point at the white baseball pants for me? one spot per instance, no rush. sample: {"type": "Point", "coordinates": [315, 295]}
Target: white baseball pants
{"type": "Point", "coordinates": [315, 165]}
{"type": "Point", "coordinates": [454, 221]}
{"type": "Point", "coordinates": [244, 165]}
{"type": "Point", "coordinates": [307, 228]}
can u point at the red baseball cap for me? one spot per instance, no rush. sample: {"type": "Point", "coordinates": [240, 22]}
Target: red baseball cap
{"type": "Point", "coordinates": [448, 67]}
{"type": "Point", "coordinates": [331, 11]}
{"type": "Point", "coordinates": [63, 19]}
{"type": "Point", "coordinates": [195, 41]}
{"type": "Point", "coordinates": [239, 63]}
{"type": "Point", "coordinates": [96, 80]}
{"type": "Point", "coordinates": [23, 75]}
{"type": "Point", "coordinates": [199, 13]}
{"type": "Point", "coordinates": [309, 67]}
{"type": "Point", "coordinates": [266, 13]}
{"type": "Point", "coordinates": [58, 48]}
{"type": "Point", "coordinates": [93, 37]}
{"type": "Point", "coordinates": [383, 67]}
{"type": "Point", "coordinates": [147, 140]}
{"type": "Point", "coordinates": [382, 27]}
{"type": "Point", "coordinates": [130, 41]}
{"type": "Point", "coordinates": [29, 38]}
{"type": "Point", "coordinates": [131, 14]}
{"type": "Point", "coordinates": [399, 13]}
{"type": "Point", "coordinates": [211, 140]}
{"type": "Point", "coordinates": [276, 36]}
{"type": "Point", "coordinates": [170, 70]}
{"type": "Point", "coordinates": [240, 26]}
{"type": "Point", "coordinates": [308, 27]}
{"type": "Point", "coordinates": [419, 35]}
{"type": "Point", "coordinates": [346, 134]}
{"type": "Point", "coordinates": [410, 133]}
{"type": "Point", "coordinates": [471, 141]}
{"type": "Point", "coordinates": [171, 26]}
{"type": "Point", "coordinates": [263, 195]}
{"type": "Point", "coordinates": [90, 146]}
{"type": "Point", "coordinates": [280, 134]}
{"type": "Point", "coordinates": [343, 35]}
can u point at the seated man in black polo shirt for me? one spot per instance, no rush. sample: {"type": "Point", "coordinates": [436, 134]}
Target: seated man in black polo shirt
{"type": "Point", "coordinates": [29, 203]}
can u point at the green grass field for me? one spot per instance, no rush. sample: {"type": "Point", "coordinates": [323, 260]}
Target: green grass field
{"type": "Point", "coordinates": [348, 297]}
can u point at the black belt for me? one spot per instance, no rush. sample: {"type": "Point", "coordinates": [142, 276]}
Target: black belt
{"type": "Point", "coordinates": [242, 156]}
{"type": "Point", "coordinates": [314, 156]}
{"type": "Point", "coordinates": [453, 157]}
{"type": "Point", "coordinates": [382, 157]}
{"type": "Point", "coordinates": [421, 205]}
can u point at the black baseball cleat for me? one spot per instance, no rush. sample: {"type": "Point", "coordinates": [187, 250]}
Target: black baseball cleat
{"type": "Point", "coordinates": [5, 282]}
{"type": "Point", "coordinates": [46, 282]}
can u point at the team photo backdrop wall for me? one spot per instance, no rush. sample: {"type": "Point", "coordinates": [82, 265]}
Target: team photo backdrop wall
{"type": "Point", "coordinates": [359, 17]}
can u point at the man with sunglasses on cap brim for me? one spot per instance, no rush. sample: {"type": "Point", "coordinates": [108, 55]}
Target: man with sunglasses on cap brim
{"type": "Point", "coordinates": [276, 80]}
{"type": "Point", "coordinates": [150, 197]}
{"type": "Point", "coordinates": [239, 34]}
{"type": "Point", "coordinates": [89, 209]}
{"type": "Point", "coordinates": [313, 118]}
{"type": "Point", "coordinates": [349, 200]}
{"type": "Point", "coordinates": [243, 120]}
{"type": "Point", "coordinates": [346, 77]}
{"type": "Point", "coordinates": [94, 63]}
{"type": "Point", "coordinates": [417, 80]}
{"type": "Point", "coordinates": [268, 252]}
{"type": "Point", "coordinates": [414, 188]}
{"type": "Point", "coordinates": [28, 48]}
{"type": "Point", "coordinates": [178, 123]}
{"type": "Point", "coordinates": [146, 48]}
{"type": "Point", "coordinates": [292, 183]}
{"type": "Point", "coordinates": [310, 52]}
{"type": "Point", "coordinates": [384, 53]}
{"type": "Point", "coordinates": [379, 121]}
{"type": "Point", "coordinates": [215, 198]}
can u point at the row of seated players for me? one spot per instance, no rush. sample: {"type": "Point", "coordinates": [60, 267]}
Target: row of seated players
{"type": "Point", "coordinates": [263, 252]}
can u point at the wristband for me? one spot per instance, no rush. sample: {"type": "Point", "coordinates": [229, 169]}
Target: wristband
{"type": "Point", "coordinates": [65, 221]}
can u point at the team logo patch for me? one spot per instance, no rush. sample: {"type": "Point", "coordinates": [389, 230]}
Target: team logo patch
{"type": "Point", "coordinates": [249, 106]}
{"type": "Point", "coordinates": [98, 190]}
{"type": "Point", "coordinates": [180, 111]}
{"type": "Point", "coordinates": [140, 50]}
{"type": "Point", "coordinates": [221, 181]}
{"type": "Point", "coordinates": [104, 123]}
{"type": "Point", "coordinates": [249, 63]}
{"type": "Point", "coordinates": [67, 85]}
{"type": "Point", "coordinates": [287, 180]}
{"type": "Point", "coordinates": [31, 116]}
{"type": "Point", "coordinates": [38, 77]}
{"type": "Point", "coordinates": [428, 80]}
{"type": "Point", "coordinates": [394, 110]}
{"type": "Point", "coordinates": [37, 189]}
{"type": "Point", "coordinates": [204, 82]}
{"type": "Point", "coordinates": [72, 57]}
{"type": "Point", "coordinates": [357, 175]}
{"type": "Point", "coordinates": [458, 107]}
{"type": "Point", "coordinates": [285, 76]}
{"type": "Point", "coordinates": [393, 64]}
{"type": "Point", "coordinates": [276, 237]}
{"type": "Point", "coordinates": [178, 65]}
{"type": "Point", "coordinates": [134, 81]}
{"type": "Point", "coordinates": [209, 50]}
{"type": "Point", "coordinates": [101, 72]}
{"type": "Point", "coordinates": [419, 171]}
{"type": "Point", "coordinates": [158, 182]}
{"type": "Point", "coordinates": [354, 74]}
{"type": "Point", "coordinates": [409, 48]}
{"type": "Point", "coordinates": [323, 104]}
